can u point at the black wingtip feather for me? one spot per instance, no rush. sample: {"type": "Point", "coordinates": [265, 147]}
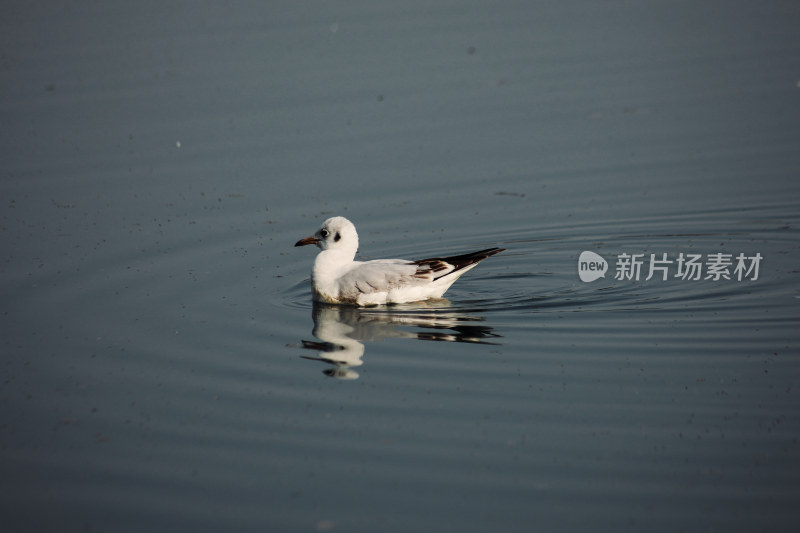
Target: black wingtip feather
{"type": "Point", "coordinates": [460, 261]}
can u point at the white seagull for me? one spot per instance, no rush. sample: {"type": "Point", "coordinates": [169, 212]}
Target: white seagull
{"type": "Point", "coordinates": [337, 278]}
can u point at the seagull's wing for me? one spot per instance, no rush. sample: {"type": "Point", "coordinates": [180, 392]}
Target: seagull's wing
{"type": "Point", "coordinates": [381, 275]}
{"type": "Point", "coordinates": [384, 275]}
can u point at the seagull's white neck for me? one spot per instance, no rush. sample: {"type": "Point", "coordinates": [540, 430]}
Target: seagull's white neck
{"type": "Point", "coordinates": [328, 267]}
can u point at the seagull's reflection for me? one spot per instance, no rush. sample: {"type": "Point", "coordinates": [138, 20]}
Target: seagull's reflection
{"type": "Point", "coordinates": [342, 330]}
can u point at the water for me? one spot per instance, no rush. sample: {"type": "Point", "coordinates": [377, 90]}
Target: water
{"type": "Point", "coordinates": [164, 368]}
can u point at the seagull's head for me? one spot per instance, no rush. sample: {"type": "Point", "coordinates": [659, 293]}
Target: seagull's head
{"type": "Point", "coordinates": [336, 233]}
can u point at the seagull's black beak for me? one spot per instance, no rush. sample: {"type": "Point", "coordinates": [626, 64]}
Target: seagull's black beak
{"type": "Point", "coordinates": [307, 240]}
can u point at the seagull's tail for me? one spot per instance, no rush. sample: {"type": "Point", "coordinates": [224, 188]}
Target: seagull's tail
{"type": "Point", "coordinates": [465, 260]}
{"type": "Point", "coordinates": [452, 267]}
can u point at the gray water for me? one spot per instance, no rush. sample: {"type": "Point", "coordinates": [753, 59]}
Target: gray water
{"type": "Point", "coordinates": [163, 368]}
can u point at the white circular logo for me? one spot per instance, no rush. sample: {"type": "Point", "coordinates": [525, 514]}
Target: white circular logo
{"type": "Point", "coordinates": [591, 266]}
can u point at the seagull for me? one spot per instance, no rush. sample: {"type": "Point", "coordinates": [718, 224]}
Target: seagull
{"type": "Point", "coordinates": [337, 278]}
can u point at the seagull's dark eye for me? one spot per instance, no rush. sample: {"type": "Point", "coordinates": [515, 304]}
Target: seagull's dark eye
{"type": "Point", "coordinates": [324, 233]}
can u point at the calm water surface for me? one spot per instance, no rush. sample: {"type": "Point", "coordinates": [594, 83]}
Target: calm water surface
{"type": "Point", "coordinates": [163, 367]}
